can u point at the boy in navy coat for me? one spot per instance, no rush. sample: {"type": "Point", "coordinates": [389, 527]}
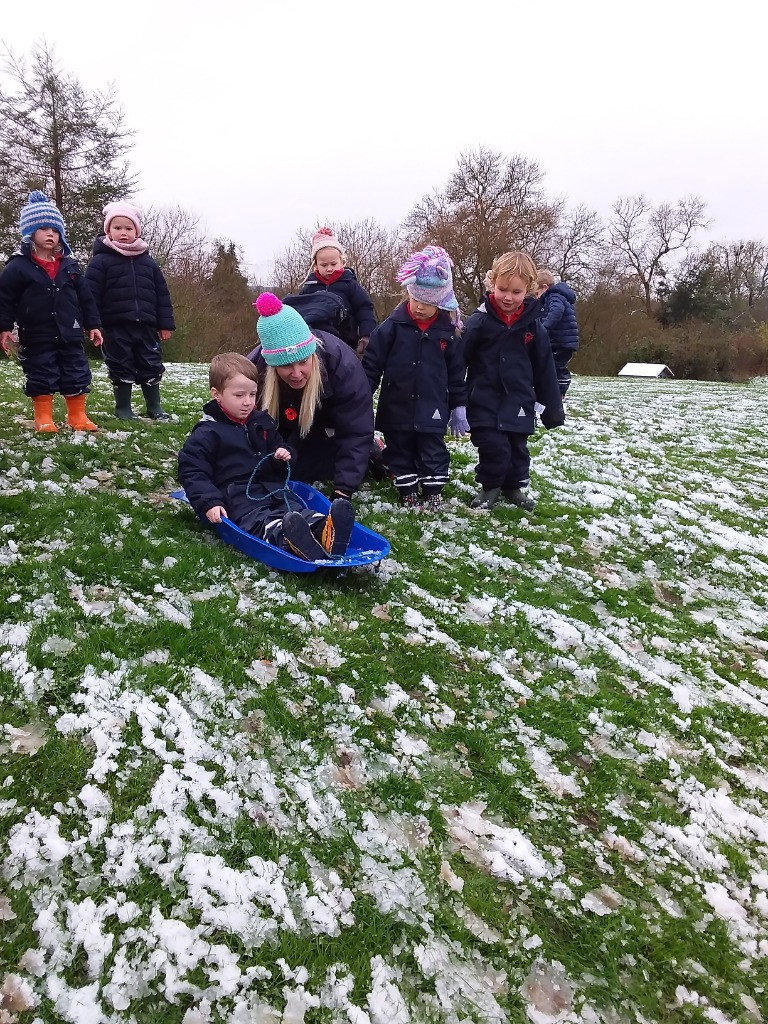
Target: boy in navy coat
{"type": "Point", "coordinates": [558, 318]}
{"type": "Point", "coordinates": [43, 290]}
{"type": "Point", "coordinates": [230, 468]}
{"type": "Point", "coordinates": [509, 370]}
{"type": "Point", "coordinates": [416, 355]}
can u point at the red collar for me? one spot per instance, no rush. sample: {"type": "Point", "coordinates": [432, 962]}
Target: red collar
{"type": "Point", "coordinates": [330, 280]}
{"type": "Point", "coordinates": [423, 325]}
{"type": "Point", "coordinates": [508, 318]}
{"type": "Point", "coordinates": [232, 419]}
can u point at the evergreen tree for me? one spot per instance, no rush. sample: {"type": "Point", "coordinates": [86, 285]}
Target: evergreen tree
{"type": "Point", "coordinates": [58, 137]}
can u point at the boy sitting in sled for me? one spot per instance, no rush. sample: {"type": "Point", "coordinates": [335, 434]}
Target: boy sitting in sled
{"type": "Point", "coordinates": [232, 465]}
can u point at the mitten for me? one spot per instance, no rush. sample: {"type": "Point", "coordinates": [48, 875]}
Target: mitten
{"type": "Point", "coordinates": [458, 423]}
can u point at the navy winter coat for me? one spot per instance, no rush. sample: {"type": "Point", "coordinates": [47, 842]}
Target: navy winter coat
{"type": "Point", "coordinates": [355, 298]}
{"type": "Point", "coordinates": [220, 452]}
{"type": "Point", "coordinates": [129, 289]}
{"type": "Point", "coordinates": [421, 373]}
{"type": "Point", "coordinates": [342, 430]}
{"type": "Point", "coordinates": [44, 309]}
{"type": "Point", "coordinates": [509, 368]}
{"type": "Point", "coordinates": [559, 318]}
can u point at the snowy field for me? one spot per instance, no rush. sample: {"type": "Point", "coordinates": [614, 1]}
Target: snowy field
{"type": "Point", "coordinates": [518, 773]}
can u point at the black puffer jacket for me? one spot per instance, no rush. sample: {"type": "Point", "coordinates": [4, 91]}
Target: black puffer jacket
{"type": "Point", "coordinates": [509, 369]}
{"type": "Point", "coordinates": [45, 309]}
{"type": "Point", "coordinates": [129, 289]}
{"type": "Point", "coordinates": [421, 372]}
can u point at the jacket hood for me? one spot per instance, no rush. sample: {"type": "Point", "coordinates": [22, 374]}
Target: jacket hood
{"type": "Point", "coordinates": [565, 290]}
{"type": "Point", "coordinates": [99, 246]}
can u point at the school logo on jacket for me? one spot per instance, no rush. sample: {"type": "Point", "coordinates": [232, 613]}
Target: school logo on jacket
{"type": "Point", "coordinates": [443, 346]}
{"type": "Point", "coordinates": [528, 338]}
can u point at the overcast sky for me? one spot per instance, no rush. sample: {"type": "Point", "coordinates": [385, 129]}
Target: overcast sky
{"type": "Point", "coordinates": [262, 117]}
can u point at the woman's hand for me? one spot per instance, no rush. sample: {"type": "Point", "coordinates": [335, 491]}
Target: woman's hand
{"type": "Point", "coordinates": [282, 454]}
{"type": "Point", "coordinates": [216, 514]}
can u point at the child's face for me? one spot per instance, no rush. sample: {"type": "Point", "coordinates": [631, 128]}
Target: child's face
{"type": "Point", "coordinates": [328, 261]}
{"type": "Point", "coordinates": [509, 292]}
{"type": "Point", "coordinates": [296, 375]}
{"type": "Point", "coordinates": [46, 239]}
{"type": "Point", "coordinates": [121, 229]}
{"type": "Point", "coordinates": [421, 310]}
{"type": "Point", "coordinates": [238, 396]}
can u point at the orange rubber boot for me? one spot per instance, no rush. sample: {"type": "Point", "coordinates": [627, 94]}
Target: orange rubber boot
{"type": "Point", "coordinates": [76, 414]}
{"type": "Point", "coordinates": [43, 406]}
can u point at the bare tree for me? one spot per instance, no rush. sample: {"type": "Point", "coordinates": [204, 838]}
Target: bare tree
{"type": "Point", "coordinates": [642, 236]}
{"type": "Point", "coordinates": [579, 247]}
{"type": "Point", "coordinates": [173, 235]}
{"type": "Point", "coordinates": [490, 205]}
{"type": "Point", "coordinates": [744, 265]}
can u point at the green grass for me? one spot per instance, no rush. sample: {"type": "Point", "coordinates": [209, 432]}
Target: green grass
{"type": "Point", "coordinates": [590, 679]}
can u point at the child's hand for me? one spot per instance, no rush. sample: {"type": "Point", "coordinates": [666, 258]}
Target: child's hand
{"type": "Point", "coordinates": [215, 514]}
{"type": "Point", "coordinates": [282, 454]}
{"type": "Point", "coordinates": [362, 345]}
{"type": "Point", "coordinates": [164, 335]}
{"type": "Point", "coordinates": [96, 338]}
{"type": "Point", "coordinates": [7, 341]}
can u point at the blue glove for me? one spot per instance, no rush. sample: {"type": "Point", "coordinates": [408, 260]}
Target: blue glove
{"type": "Point", "coordinates": [458, 423]}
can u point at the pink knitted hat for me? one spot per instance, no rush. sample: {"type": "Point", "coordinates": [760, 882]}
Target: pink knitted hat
{"type": "Point", "coordinates": [121, 208]}
{"type": "Point", "coordinates": [324, 238]}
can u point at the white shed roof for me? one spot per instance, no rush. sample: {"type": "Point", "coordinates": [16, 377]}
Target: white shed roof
{"type": "Point", "coordinates": [646, 370]}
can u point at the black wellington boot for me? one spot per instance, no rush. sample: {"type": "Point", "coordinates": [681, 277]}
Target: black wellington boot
{"type": "Point", "coordinates": [123, 409]}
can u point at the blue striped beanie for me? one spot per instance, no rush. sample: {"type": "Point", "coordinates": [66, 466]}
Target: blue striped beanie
{"type": "Point", "coordinates": [42, 212]}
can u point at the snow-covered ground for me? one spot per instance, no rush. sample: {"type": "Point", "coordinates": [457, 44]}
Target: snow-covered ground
{"type": "Point", "coordinates": [518, 772]}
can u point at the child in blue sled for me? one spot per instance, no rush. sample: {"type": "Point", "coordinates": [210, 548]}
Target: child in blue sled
{"type": "Point", "coordinates": [233, 466]}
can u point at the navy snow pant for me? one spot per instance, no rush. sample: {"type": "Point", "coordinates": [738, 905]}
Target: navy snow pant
{"type": "Point", "coordinates": [132, 353]}
{"type": "Point", "coordinates": [503, 459]}
{"type": "Point", "coordinates": [52, 364]}
{"type": "Point", "coordinates": [417, 459]}
{"type": "Point", "coordinates": [264, 518]}
{"type": "Point", "coordinates": [562, 357]}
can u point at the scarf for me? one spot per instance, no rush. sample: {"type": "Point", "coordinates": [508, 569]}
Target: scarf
{"type": "Point", "coordinates": [134, 248]}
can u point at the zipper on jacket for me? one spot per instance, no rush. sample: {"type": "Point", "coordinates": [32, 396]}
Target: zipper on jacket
{"type": "Point", "coordinates": [135, 290]}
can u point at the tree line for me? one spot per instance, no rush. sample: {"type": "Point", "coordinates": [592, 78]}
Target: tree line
{"type": "Point", "coordinates": [648, 289]}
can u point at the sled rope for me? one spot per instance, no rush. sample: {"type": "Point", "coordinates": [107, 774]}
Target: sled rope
{"type": "Point", "coordinates": [283, 490]}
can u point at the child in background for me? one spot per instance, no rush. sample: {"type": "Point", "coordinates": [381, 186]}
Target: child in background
{"type": "Point", "coordinates": [327, 271]}
{"type": "Point", "coordinates": [135, 306]}
{"type": "Point", "coordinates": [509, 369]}
{"type": "Point", "coordinates": [43, 290]}
{"type": "Point", "coordinates": [226, 470]}
{"type": "Point", "coordinates": [417, 356]}
{"type": "Point", "coordinates": [559, 321]}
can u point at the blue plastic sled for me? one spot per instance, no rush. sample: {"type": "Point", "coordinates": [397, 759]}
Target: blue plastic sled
{"type": "Point", "coordinates": [365, 546]}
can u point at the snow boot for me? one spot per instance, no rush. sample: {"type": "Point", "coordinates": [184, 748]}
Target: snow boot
{"type": "Point", "coordinates": [337, 528]}
{"type": "Point", "coordinates": [123, 409]}
{"type": "Point", "coordinates": [43, 406]}
{"type": "Point", "coordinates": [521, 498]}
{"type": "Point", "coordinates": [486, 499]}
{"type": "Point", "coordinates": [300, 540]}
{"type": "Point", "coordinates": [77, 417]}
{"type": "Point", "coordinates": [155, 411]}
{"type": "Point", "coordinates": [432, 502]}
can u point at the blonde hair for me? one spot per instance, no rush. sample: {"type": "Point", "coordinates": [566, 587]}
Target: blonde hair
{"type": "Point", "coordinates": [227, 365]}
{"type": "Point", "coordinates": [545, 278]}
{"type": "Point", "coordinates": [311, 396]}
{"type": "Point", "coordinates": [512, 264]}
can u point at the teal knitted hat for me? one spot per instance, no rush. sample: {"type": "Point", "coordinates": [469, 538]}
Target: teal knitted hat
{"type": "Point", "coordinates": [284, 335]}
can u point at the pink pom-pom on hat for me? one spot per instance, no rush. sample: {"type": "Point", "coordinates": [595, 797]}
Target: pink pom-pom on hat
{"type": "Point", "coordinates": [267, 304]}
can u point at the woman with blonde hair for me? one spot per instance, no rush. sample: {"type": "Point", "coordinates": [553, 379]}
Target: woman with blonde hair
{"type": "Point", "coordinates": [313, 386]}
